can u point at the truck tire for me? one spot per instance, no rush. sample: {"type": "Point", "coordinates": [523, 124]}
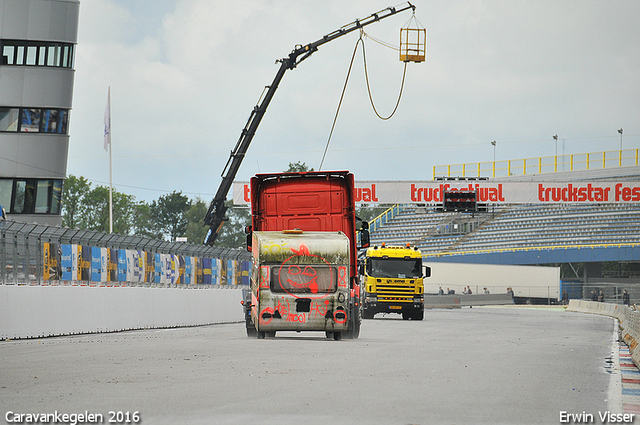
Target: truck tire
{"type": "Point", "coordinates": [337, 336]}
{"type": "Point", "coordinates": [354, 330]}
{"type": "Point", "coordinates": [260, 334]}
{"type": "Point", "coordinates": [251, 330]}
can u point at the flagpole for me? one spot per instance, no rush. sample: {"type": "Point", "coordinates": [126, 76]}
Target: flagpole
{"type": "Point", "coordinates": [107, 141]}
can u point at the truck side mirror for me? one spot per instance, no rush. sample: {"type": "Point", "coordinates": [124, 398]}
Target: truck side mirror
{"type": "Point", "coordinates": [248, 231]}
{"type": "Point", "coordinates": [365, 238]}
{"type": "Point", "coordinates": [427, 271]}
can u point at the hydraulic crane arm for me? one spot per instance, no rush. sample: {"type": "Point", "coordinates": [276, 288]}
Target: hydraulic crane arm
{"type": "Point", "coordinates": [216, 214]}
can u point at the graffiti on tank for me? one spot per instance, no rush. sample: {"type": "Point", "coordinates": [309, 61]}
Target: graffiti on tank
{"type": "Point", "coordinates": [319, 309]}
{"type": "Point", "coordinates": [275, 248]}
{"type": "Point", "coordinates": [283, 307]}
{"type": "Point", "coordinates": [264, 277]}
{"type": "Point", "coordinates": [301, 318]}
{"type": "Point", "coordinates": [306, 276]}
{"type": "Point", "coordinates": [342, 277]}
{"type": "Point", "coordinates": [308, 272]}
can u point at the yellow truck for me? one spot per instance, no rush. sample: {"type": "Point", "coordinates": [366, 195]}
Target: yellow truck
{"type": "Point", "coordinates": [392, 281]}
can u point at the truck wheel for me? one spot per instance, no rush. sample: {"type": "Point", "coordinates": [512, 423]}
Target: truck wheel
{"type": "Point", "coordinates": [337, 336]}
{"type": "Point", "coordinates": [353, 333]}
{"type": "Point", "coordinates": [251, 330]}
{"type": "Point", "coordinates": [367, 314]}
{"type": "Point", "coordinates": [271, 334]}
{"type": "Point", "coordinates": [260, 334]}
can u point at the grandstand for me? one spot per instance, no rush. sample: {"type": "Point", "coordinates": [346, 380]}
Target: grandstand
{"type": "Point", "coordinates": [529, 233]}
{"type": "Point", "coordinates": [513, 227]}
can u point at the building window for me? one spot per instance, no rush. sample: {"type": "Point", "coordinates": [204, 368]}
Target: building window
{"type": "Point", "coordinates": [30, 120]}
{"type": "Point", "coordinates": [9, 119]}
{"type": "Point", "coordinates": [31, 196]}
{"type": "Point", "coordinates": [54, 121]}
{"type": "Point", "coordinates": [6, 188]}
{"type": "Point", "coordinates": [34, 120]}
{"type": "Point", "coordinates": [37, 53]}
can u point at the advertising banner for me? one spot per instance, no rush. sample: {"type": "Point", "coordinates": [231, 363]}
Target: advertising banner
{"type": "Point", "coordinates": [122, 265]}
{"type": "Point", "coordinates": [98, 264]}
{"type": "Point", "coordinates": [149, 267]}
{"type": "Point", "coordinates": [231, 272]}
{"type": "Point", "coordinates": [431, 192]}
{"type": "Point", "coordinates": [52, 261]}
{"type": "Point", "coordinates": [112, 265]}
{"type": "Point", "coordinates": [69, 262]}
{"type": "Point", "coordinates": [188, 270]}
{"type": "Point", "coordinates": [215, 272]}
{"type": "Point", "coordinates": [84, 263]}
{"type": "Point", "coordinates": [206, 271]}
{"type": "Point", "coordinates": [246, 273]}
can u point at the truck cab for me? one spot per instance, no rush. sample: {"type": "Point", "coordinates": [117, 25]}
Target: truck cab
{"type": "Point", "coordinates": [392, 278]}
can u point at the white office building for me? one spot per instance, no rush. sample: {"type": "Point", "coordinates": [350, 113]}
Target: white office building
{"type": "Point", "coordinates": [37, 51]}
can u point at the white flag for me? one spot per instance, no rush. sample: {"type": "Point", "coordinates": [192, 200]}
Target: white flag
{"type": "Point", "coordinates": [107, 122]}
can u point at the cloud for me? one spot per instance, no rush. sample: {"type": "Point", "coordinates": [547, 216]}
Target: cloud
{"type": "Point", "coordinates": [185, 75]}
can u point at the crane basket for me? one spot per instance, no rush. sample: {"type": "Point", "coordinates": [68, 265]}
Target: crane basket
{"type": "Point", "coordinates": [413, 44]}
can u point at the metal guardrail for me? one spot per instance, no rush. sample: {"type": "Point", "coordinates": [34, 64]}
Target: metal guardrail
{"type": "Point", "coordinates": [385, 217]}
{"type": "Point", "coordinates": [23, 249]}
{"type": "Point", "coordinates": [539, 165]}
{"type": "Point", "coordinates": [531, 248]}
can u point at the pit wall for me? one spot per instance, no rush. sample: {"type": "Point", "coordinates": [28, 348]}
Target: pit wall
{"type": "Point", "coordinates": [42, 311]}
{"type": "Point", "coordinates": [628, 321]}
{"type": "Point", "coordinates": [526, 281]}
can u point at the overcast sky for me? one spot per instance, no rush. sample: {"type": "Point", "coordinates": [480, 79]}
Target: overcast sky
{"type": "Point", "coordinates": [185, 75]}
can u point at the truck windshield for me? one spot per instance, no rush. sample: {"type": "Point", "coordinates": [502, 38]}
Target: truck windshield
{"type": "Point", "coordinates": [303, 278]}
{"type": "Point", "coordinates": [397, 268]}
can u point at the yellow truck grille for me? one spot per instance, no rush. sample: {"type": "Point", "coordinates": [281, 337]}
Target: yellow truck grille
{"type": "Point", "coordinates": [395, 293]}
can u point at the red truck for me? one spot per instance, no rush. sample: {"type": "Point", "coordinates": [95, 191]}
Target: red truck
{"type": "Point", "coordinates": [307, 202]}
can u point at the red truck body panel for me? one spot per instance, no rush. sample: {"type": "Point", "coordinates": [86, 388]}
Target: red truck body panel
{"type": "Point", "coordinates": [310, 201]}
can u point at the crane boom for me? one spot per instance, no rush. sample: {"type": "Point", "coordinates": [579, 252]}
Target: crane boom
{"type": "Point", "coordinates": [215, 216]}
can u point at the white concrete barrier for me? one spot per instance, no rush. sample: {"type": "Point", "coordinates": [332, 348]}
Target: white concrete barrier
{"type": "Point", "coordinates": [462, 300]}
{"type": "Point", "coordinates": [39, 311]}
{"type": "Point", "coordinates": [628, 321]}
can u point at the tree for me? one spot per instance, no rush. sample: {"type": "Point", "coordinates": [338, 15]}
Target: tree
{"type": "Point", "coordinates": [298, 167]}
{"type": "Point", "coordinates": [96, 211]}
{"type": "Point", "coordinates": [369, 212]}
{"type": "Point", "coordinates": [87, 208]}
{"type": "Point", "coordinates": [232, 233]}
{"type": "Point", "coordinates": [169, 213]}
{"type": "Point", "coordinates": [196, 230]}
{"type": "Point", "coordinates": [73, 204]}
{"type": "Point", "coordinates": [143, 224]}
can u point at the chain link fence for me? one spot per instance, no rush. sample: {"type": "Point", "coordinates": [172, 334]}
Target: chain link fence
{"type": "Point", "coordinates": [33, 254]}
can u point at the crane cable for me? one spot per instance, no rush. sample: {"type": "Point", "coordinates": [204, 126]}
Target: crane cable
{"type": "Point", "coordinates": [344, 89]}
{"type": "Point", "coordinates": [366, 74]}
